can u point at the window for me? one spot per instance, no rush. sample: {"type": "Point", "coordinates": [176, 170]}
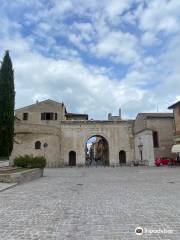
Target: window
{"type": "Point", "coordinates": [55, 116]}
{"type": "Point", "coordinates": [37, 145]}
{"type": "Point", "coordinates": [42, 116]}
{"type": "Point", "coordinates": [25, 116]}
{"type": "Point", "coordinates": [48, 116]}
{"type": "Point", "coordinates": [155, 139]}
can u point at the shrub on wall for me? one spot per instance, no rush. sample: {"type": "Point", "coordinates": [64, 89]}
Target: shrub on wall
{"type": "Point", "coordinates": [28, 161]}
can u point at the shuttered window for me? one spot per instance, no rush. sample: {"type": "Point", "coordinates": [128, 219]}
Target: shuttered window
{"type": "Point", "coordinates": [25, 116]}
{"type": "Point", "coordinates": [48, 116]}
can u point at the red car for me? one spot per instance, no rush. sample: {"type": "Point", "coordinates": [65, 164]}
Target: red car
{"type": "Point", "coordinates": [164, 162]}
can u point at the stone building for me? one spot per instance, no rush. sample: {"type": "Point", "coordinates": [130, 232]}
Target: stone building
{"type": "Point", "coordinates": [47, 129]}
{"type": "Point", "coordinates": [153, 135]}
{"type": "Point", "coordinates": [101, 150]}
{"type": "Point", "coordinates": [176, 114]}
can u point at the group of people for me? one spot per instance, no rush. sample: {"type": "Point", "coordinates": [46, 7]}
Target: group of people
{"type": "Point", "coordinates": [94, 162]}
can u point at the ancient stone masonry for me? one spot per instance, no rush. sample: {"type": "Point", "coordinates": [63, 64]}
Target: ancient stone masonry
{"type": "Point", "coordinates": [176, 113]}
{"type": "Point", "coordinates": [63, 136]}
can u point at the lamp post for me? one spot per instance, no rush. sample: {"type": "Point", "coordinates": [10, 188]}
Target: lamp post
{"type": "Point", "coordinates": [45, 145]}
{"type": "Point", "coordinates": [140, 146]}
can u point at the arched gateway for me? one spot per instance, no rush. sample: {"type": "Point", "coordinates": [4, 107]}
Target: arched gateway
{"type": "Point", "coordinates": [107, 137]}
{"type": "Point", "coordinates": [97, 151]}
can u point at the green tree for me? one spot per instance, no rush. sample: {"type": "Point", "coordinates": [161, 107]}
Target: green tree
{"type": "Point", "coordinates": [7, 99]}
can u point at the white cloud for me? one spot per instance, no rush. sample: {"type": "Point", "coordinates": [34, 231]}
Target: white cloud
{"type": "Point", "coordinates": [80, 88]}
{"type": "Point", "coordinates": [118, 46]}
{"type": "Point", "coordinates": [83, 88]}
{"type": "Point", "coordinates": [161, 15]}
{"type": "Point", "coordinates": [49, 61]}
{"type": "Point", "coordinates": [114, 9]}
{"type": "Point", "coordinates": [149, 39]}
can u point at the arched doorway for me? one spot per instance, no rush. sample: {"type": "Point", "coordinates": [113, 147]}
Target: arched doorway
{"type": "Point", "coordinates": [122, 157]}
{"type": "Point", "coordinates": [72, 158]}
{"type": "Point", "coordinates": [97, 151]}
{"type": "Point", "coordinates": [37, 145]}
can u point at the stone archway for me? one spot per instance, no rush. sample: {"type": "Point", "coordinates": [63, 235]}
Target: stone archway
{"type": "Point", "coordinates": [98, 152]}
{"type": "Point", "coordinates": [122, 157]}
{"type": "Point", "coordinates": [72, 158]}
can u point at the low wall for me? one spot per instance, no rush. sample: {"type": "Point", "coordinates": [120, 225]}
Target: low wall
{"type": "Point", "coordinates": [4, 163]}
{"type": "Point", "coordinates": [22, 177]}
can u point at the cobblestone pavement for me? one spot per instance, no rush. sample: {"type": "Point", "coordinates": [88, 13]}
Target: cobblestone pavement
{"type": "Point", "coordinates": [93, 204]}
{"type": "Point", "coordinates": [5, 186]}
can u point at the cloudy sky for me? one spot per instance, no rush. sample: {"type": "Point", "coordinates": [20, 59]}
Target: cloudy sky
{"type": "Point", "coordinates": [95, 56]}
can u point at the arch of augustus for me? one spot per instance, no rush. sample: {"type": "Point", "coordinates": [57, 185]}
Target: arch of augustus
{"type": "Point", "coordinates": [59, 133]}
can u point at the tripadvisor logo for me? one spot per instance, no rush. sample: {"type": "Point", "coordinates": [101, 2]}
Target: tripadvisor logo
{"type": "Point", "coordinates": [139, 231]}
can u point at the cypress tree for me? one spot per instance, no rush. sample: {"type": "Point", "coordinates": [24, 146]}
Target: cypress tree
{"type": "Point", "coordinates": [7, 99]}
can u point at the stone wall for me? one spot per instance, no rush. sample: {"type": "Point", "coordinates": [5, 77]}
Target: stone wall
{"type": "Point", "coordinates": [177, 120]}
{"type": "Point", "coordinates": [144, 137]}
{"type": "Point", "coordinates": [27, 134]}
{"type": "Point", "coordinates": [164, 127]}
{"type": "Point", "coordinates": [140, 123]}
{"type": "Point", "coordinates": [22, 177]}
{"type": "Point", "coordinates": [72, 136]}
{"type": "Point", "coordinates": [118, 135]}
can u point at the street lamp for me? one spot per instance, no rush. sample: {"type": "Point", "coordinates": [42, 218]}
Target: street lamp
{"type": "Point", "coordinates": [140, 146]}
{"type": "Point", "coordinates": [45, 145]}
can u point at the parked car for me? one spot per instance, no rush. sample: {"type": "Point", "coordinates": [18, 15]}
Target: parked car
{"type": "Point", "coordinates": [163, 161]}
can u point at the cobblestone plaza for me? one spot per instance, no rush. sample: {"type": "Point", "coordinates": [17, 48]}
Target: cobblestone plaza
{"type": "Point", "coordinates": [93, 204]}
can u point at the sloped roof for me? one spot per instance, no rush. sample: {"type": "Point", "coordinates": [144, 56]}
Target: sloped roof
{"type": "Point", "coordinates": [174, 105]}
{"type": "Point", "coordinates": [35, 104]}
